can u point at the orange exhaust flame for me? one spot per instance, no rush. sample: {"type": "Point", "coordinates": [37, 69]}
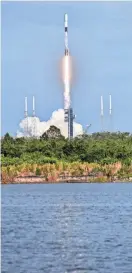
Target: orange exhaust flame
{"type": "Point", "coordinates": [66, 69]}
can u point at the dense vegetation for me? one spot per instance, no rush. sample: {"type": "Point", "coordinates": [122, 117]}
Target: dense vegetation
{"type": "Point", "coordinates": [99, 148]}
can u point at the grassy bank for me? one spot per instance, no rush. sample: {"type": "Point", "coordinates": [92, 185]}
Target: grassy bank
{"type": "Point", "coordinates": [52, 158]}
{"type": "Point", "coordinates": [66, 172]}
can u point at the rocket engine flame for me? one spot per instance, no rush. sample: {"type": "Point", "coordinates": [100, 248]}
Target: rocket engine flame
{"type": "Point", "coordinates": [67, 78]}
{"type": "Point", "coordinates": [67, 69]}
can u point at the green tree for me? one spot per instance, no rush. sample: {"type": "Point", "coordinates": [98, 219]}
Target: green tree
{"type": "Point", "coordinates": [53, 132]}
{"type": "Point", "coordinates": [38, 171]}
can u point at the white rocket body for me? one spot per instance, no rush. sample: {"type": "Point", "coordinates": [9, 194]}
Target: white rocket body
{"type": "Point", "coordinates": [66, 34]}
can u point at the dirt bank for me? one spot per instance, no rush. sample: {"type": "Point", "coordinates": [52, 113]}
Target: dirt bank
{"type": "Point", "coordinates": [63, 179]}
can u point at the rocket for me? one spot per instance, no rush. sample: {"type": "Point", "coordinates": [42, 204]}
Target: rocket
{"type": "Point", "coordinates": [66, 34]}
{"type": "Point", "coordinates": [67, 73]}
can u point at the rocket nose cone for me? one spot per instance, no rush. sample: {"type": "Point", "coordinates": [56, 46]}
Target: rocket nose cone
{"type": "Point", "coordinates": [66, 17]}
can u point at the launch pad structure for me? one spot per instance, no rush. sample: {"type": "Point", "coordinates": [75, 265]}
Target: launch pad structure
{"type": "Point", "coordinates": [30, 129]}
{"type": "Point", "coordinates": [69, 117]}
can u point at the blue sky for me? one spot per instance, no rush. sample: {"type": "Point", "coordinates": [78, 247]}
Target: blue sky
{"type": "Point", "coordinates": [100, 41]}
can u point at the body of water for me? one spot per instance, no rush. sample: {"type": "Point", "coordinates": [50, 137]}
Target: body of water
{"type": "Point", "coordinates": [61, 228]}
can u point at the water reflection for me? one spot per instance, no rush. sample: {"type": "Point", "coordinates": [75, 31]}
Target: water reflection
{"type": "Point", "coordinates": [67, 228]}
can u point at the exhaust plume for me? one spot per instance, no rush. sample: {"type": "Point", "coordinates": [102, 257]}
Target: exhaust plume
{"type": "Point", "coordinates": [57, 119]}
{"type": "Point", "coordinates": [66, 78]}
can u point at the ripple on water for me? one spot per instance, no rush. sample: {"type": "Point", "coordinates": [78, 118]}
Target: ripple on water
{"type": "Point", "coordinates": [67, 228]}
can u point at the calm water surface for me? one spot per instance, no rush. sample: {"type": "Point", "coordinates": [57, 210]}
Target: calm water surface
{"type": "Point", "coordinates": [67, 228]}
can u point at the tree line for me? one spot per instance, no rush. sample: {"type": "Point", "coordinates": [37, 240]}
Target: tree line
{"type": "Point", "coordinates": [51, 147]}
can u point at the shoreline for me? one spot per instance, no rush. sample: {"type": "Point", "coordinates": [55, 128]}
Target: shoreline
{"type": "Point", "coordinates": [70, 180]}
{"type": "Point", "coordinates": [66, 173]}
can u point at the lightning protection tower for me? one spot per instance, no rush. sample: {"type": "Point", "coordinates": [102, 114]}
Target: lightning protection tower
{"type": "Point", "coordinates": [26, 118]}
{"type": "Point", "coordinates": [110, 114]}
{"type": "Point", "coordinates": [34, 121]}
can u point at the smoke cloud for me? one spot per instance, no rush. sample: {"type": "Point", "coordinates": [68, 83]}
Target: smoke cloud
{"type": "Point", "coordinates": [32, 126]}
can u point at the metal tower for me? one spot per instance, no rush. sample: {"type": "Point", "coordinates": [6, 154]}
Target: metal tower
{"type": "Point", "coordinates": [110, 113]}
{"type": "Point", "coordinates": [87, 127]}
{"type": "Point", "coordinates": [26, 118]}
{"type": "Point", "coordinates": [34, 121]}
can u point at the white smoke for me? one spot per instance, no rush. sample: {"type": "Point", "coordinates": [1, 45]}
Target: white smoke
{"type": "Point", "coordinates": [66, 77]}
{"type": "Point", "coordinates": [32, 126]}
